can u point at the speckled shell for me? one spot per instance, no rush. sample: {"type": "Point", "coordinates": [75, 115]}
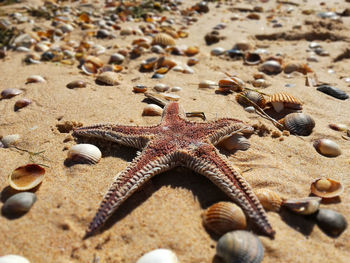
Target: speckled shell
{"type": "Point", "coordinates": [84, 153]}
{"type": "Point", "coordinates": [223, 217]}
{"type": "Point", "coordinates": [284, 100]}
{"type": "Point", "coordinates": [270, 200]}
{"type": "Point", "coordinates": [327, 147]}
{"type": "Point", "coordinates": [326, 188]}
{"type": "Point", "coordinates": [333, 91]}
{"type": "Point", "coordinates": [26, 177]}
{"type": "Point", "coordinates": [236, 142]}
{"type": "Point", "coordinates": [303, 206]}
{"type": "Point", "coordinates": [163, 39]}
{"type": "Point", "coordinates": [298, 123]}
{"type": "Point", "coordinates": [19, 203]}
{"type": "Point", "coordinates": [9, 93]}
{"type": "Point", "coordinates": [13, 259]}
{"type": "Point", "coordinates": [244, 97]}
{"type": "Point", "coordinates": [331, 222]}
{"type": "Point", "coordinates": [159, 256]}
{"type": "Point", "coordinates": [240, 246]}
{"type": "Point", "coordinates": [152, 110]}
{"type": "Point", "coordinates": [108, 78]}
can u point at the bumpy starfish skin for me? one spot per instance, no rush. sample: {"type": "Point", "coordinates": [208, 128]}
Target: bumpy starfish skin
{"type": "Point", "coordinates": [176, 142]}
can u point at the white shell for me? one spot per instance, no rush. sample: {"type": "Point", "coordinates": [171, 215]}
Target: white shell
{"type": "Point", "coordinates": [217, 51]}
{"type": "Point", "coordinates": [84, 152]}
{"type": "Point", "coordinates": [176, 89]}
{"type": "Point", "coordinates": [277, 106]}
{"type": "Point", "coordinates": [236, 142]}
{"type": "Point", "coordinates": [172, 97]}
{"type": "Point", "coordinates": [13, 259]}
{"type": "Point", "coordinates": [161, 87]}
{"type": "Point", "coordinates": [271, 67]}
{"type": "Point", "coordinates": [159, 256]}
{"type": "Point", "coordinates": [327, 147]}
{"type": "Point", "coordinates": [9, 140]}
{"type": "Point", "coordinates": [35, 79]}
{"type": "Point", "coordinates": [207, 84]}
{"type": "Point", "coordinates": [19, 203]}
{"type": "Point", "coordinates": [152, 110]}
{"type": "Point", "coordinates": [116, 58]}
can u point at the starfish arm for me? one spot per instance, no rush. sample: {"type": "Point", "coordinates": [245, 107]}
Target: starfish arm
{"type": "Point", "coordinates": [140, 170]}
{"type": "Point", "coordinates": [133, 136]}
{"type": "Point", "coordinates": [206, 160]}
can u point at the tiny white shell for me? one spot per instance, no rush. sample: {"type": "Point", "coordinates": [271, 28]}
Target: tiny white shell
{"type": "Point", "coordinates": [152, 110]}
{"type": "Point", "coordinates": [35, 79]}
{"type": "Point", "coordinates": [159, 256]}
{"type": "Point", "coordinates": [170, 96]}
{"type": "Point", "coordinates": [160, 87]}
{"type": "Point", "coordinates": [207, 84]}
{"type": "Point", "coordinates": [13, 259]}
{"type": "Point", "coordinates": [9, 140]}
{"type": "Point", "coordinates": [84, 153]}
{"type": "Point", "coordinates": [175, 89]}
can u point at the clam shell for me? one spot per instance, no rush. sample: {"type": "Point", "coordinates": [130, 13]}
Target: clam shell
{"type": "Point", "coordinates": [96, 61]}
{"type": "Point", "coordinates": [270, 200]}
{"type": "Point", "coordinates": [76, 84]}
{"type": "Point", "coordinates": [149, 63]}
{"type": "Point", "coordinates": [333, 91]}
{"type": "Point", "coordinates": [140, 88]}
{"type": "Point", "coordinates": [19, 203]}
{"type": "Point", "coordinates": [84, 153]}
{"type": "Point", "coordinates": [326, 188]}
{"type": "Point", "coordinates": [234, 84]}
{"type": "Point", "coordinates": [327, 147]}
{"type": "Point", "coordinates": [160, 255]}
{"type": "Point", "coordinates": [163, 39]}
{"type": "Point", "coordinates": [331, 222]}
{"type": "Point", "coordinates": [236, 142]}
{"type": "Point", "coordinates": [217, 51]}
{"type": "Point", "coordinates": [270, 67]}
{"type": "Point", "coordinates": [19, 104]}
{"type": "Point", "coordinates": [303, 206]}
{"type": "Point", "coordinates": [10, 139]}
{"type": "Point", "coordinates": [284, 100]}
{"type": "Point", "coordinates": [298, 123]}
{"type": "Point", "coordinates": [207, 84]}
{"type": "Point", "coordinates": [13, 259]}
{"type": "Point", "coordinates": [246, 96]}
{"type": "Point", "coordinates": [191, 51]}
{"type": "Point", "coordinates": [26, 177]}
{"type": "Point", "coordinates": [252, 58]}
{"type": "Point", "coordinates": [152, 110]}
{"type": "Point", "coordinates": [35, 79]}
{"type": "Point", "coordinates": [192, 61]}
{"type": "Point", "coordinates": [108, 78]}
{"type": "Point", "coordinates": [160, 87]}
{"type": "Point", "coordinates": [9, 93]}
{"type": "Point", "coordinates": [240, 246]}
{"type": "Point", "coordinates": [338, 126]}
{"type": "Point", "coordinates": [116, 58]}
{"type": "Point", "coordinates": [223, 217]}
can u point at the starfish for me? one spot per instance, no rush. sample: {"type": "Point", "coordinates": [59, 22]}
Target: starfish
{"type": "Point", "coordinates": [176, 141]}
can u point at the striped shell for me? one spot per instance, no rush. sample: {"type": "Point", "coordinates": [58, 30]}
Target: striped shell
{"type": "Point", "coordinates": [236, 142]}
{"type": "Point", "coordinates": [327, 147]}
{"type": "Point", "coordinates": [108, 78]}
{"type": "Point", "coordinates": [246, 96]}
{"type": "Point", "coordinates": [26, 177]}
{"type": "Point", "coordinates": [19, 203]}
{"type": "Point", "coordinates": [303, 206]}
{"type": "Point", "coordinates": [84, 153]}
{"type": "Point", "coordinates": [163, 39]}
{"type": "Point", "coordinates": [326, 188]}
{"type": "Point", "coordinates": [333, 91]}
{"type": "Point", "coordinates": [284, 100]}
{"type": "Point", "coordinates": [298, 123]}
{"type": "Point", "coordinates": [270, 200]}
{"type": "Point", "coordinates": [240, 246]}
{"type": "Point", "coordinates": [223, 217]}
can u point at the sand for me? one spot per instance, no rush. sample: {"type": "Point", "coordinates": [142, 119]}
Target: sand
{"type": "Point", "coordinates": [165, 213]}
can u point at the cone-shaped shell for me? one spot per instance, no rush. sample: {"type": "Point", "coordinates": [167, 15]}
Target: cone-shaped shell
{"type": "Point", "coordinates": [84, 153]}
{"type": "Point", "coordinates": [298, 123]}
{"type": "Point", "coordinates": [163, 39]}
{"type": "Point", "coordinates": [223, 217]}
{"type": "Point", "coordinates": [246, 96]}
{"type": "Point", "coordinates": [284, 100]}
{"type": "Point", "coordinates": [326, 188]}
{"type": "Point", "coordinates": [270, 200]}
{"type": "Point", "coordinates": [327, 147]}
{"type": "Point", "coordinates": [303, 206]}
{"type": "Point", "coordinates": [26, 177]}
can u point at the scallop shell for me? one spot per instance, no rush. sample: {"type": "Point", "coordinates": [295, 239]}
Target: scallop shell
{"type": "Point", "coordinates": [10, 139]}
{"type": "Point", "coordinates": [303, 206]}
{"type": "Point", "coordinates": [19, 104]}
{"type": "Point", "coordinates": [270, 200]}
{"type": "Point", "coordinates": [19, 203]}
{"type": "Point", "coordinates": [246, 96]}
{"type": "Point", "coordinates": [223, 217]}
{"type": "Point", "coordinates": [331, 222]}
{"type": "Point", "coordinates": [240, 246]}
{"type": "Point", "coordinates": [270, 67]}
{"type": "Point", "coordinates": [298, 123]}
{"type": "Point", "coordinates": [108, 78]}
{"type": "Point", "coordinates": [333, 91]}
{"type": "Point", "coordinates": [9, 93]}
{"type": "Point", "coordinates": [160, 255]}
{"type": "Point", "coordinates": [35, 79]}
{"type": "Point", "coordinates": [327, 147]}
{"type": "Point", "coordinates": [326, 188]}
{"type": "Point", "coordinates": [236, 142]}
{"type": "Point", "coordinates": [76, 84]}
{"type": "Point", "coordinates": [84, 153]}
{"type": "Point", "coordinates": [284, 100]}
{"type": "Point", "coordinates": [26, 177]}
{"type": "Point", "coordinates": [163, 39]}
{"type": "Point", "coordinates": [152, 110]}
{"type": "Point", "coordinates": [13, 259]}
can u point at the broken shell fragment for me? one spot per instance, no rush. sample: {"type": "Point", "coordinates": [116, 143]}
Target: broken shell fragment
{"type": "Point", "coordinates": [10, 139]}
{"type": "Point", "coordinates": [279, 101]}
{"type": "Point", "coordinates": [9, 93]}
{"type": "Point", "coordinates": [84, 153]}
{"type": "Point", "coordinates": [303, 206]}
{"type": "Point", "coordinates": [246, 97]}
{"type": "Point", "coordinates": [326, 188]}
{"type": "Point", "coordinates": [152, 110]}
{"type": "Point", "coordinates": [327, 147]}
{"type": "Point", "coordinates": [298, 123]}
{"type": "Point", "coordinates": [19, 203]}
{"type": "Point", "coordinates": [13, 259]}
{"type": "Point", "coordinates": [331, 222]}
{"type": "Point", "coordinates": [270, 200]}
{"type": "Point", "coordinates": [76, 84]}
{"type": "Point", "coordinates": [236, 142]}
{"type": "Point", "coordinates": [35, 79]}
{"type": "Point", "coordinates": [223, 217]}
{"type": "Point", "coordinates": [19, 104]}
{"type": "Point", "coordinates": [159, 256]}
{"type": "Point", "coordinates": [108, 78]}
{"type": "Point", "coordinates": [26, 177]}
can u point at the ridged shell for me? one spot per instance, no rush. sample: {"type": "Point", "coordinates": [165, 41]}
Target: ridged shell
{"type": "Point", "coordinates": [9, 93]}
{"type": "Point", "coordinates": [163, 39]}
{"type": "Point", "coordinates": [240, 246]}
{"type": "Point", "coordinates": [21, 103]}
{"type": "Point", "coordinates": [303, 206]}
{"type": "Point", "coordinates": [19, 203]}
{"type": "Point", "coordinates": [331, 222]}
{"type": "Point", "coordinates": [333, 91]}
{"type": "Point", "coordinates": [84, 153]}
{"type": "Point", "coordinates": [26, 177]}
{"type": "Point", "coordinates": [223, 217]}
{"type": "Point", "coordinates": [10, 139]}
{"type": "Point", "coordinates": [298, 123]}
{"type": "Point", "coordinates": [13, 259]}
{"type": "Point", "coordinates": [236, 142]}
{"type": "Point", "coordinates": [326, 188]}
{"type": "Point", "coordinates": [108, 78]}
{"type": "Point", "coordinates": [246, 96]}
{"type": "Point", "coordinates": [327, 147]}
{"type": "Point", "coordinates": [284, 100]}
{"type": "Point", "coordinates": [76, 84]}
{"type": "Point", "coordinates": [271, 67]}
{"type": "Point", "coordinates": [159, 256]}
{"type": "Point", "coordinates": [270, 200]}
{"type": "Point", "coordinates": [152, 110]}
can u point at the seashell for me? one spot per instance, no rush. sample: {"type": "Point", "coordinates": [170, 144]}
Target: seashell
{"type": "Point", "coordinates": [333, 91]}
{"type": "Point", "coordinates": [140, 88]}
{"type": "Point", "coordinates": [19, 203]}
{"type": "Point", "coordinates": [10, 140]}
{"type": "Point", "coordinates": [163, 39]}
{"type": "Point", "coordinates": [178, 68]}
{"type": "Point", "coordinates": [191, 51]}
{"type": "Point", "coordinates": [303, 206]}
{"type": "Point", "coordinates": [160, 255]}
{"type": "Point", "coordinates": [35, 79]}
{"type": "Point", "coordinates": [236, 142]}
{"type": "Point", "coordinates": [32, 58]}
{"type": "Point", "coordinates": [217, 51]}
{"type": "Point", "coordinates": [192, 61]}
{"type": "Point", "coordinates": [249, 109]}
{"type": "Point", "coordinates": [162, 70]}
{"type": "Point", "coordinates": [232, 83]}
{"type": "Point", "coordinates": [175, 89]}
{"type": "Point", "coordinates": [270, 200]}
{"type": "Point", "coordinates": [223, 217]}
{"type": "Point", "coordinates": [172, 97]}
{"type": "Point", "coordinates": [327, 147]}
{"type": "Point", "coordinates": [338, 126]}
{"type": "Point", "coordinates": [40, 47]}
{"type": "Point", "coordinates": [235, 53]}
{"type": "Point", "coordinates": [252, 58]}
{"type": "Point", "coordinates": [298, 123]}
{"type": "Point", "coordinates": [243, 46]}
{"type": "Point", "coordinates": [246, 96]}
{"type": "Point", "coordinates": [188, 70]}
{"type": "Point", "coordinates": [89, 68]}
{"type": "Point", "coordinates": [9, 93]}
{"type": "Point", "coordinates": [279, 101]}
{"type": "Point", "coordinates": [116, 58]}
{"type": "Point", "coordinates": [157, 76]}
{"type": "Point", "coordinates": [126, 32]}
{"type": "Point", "coordinates": [326, 188]}
{"type": "Point", "coordinates": [260, 83]}
{"type": "Point", "coordinates": [240, 246]}
{"type": "Point", "coordinates": [103, 33]}
{"type": "Point", "coordinates": [108, 78]}
{"type": "Point", "coordinates": [84, 153]}
{"type": "Point", "coordinates": [26, 177]}
{"type": "Point", "coordinates": [161, 87]}
{"type": "Point", "coordinates": [331, 222]}
{"type": "Point", "coordinates": [76, 84]}
{"type": "Point", "coordinates": [152, 110]}
{"type": "Point", "coordinates": [157, 49]}
{"type": "Point", "coordinates": [149, 63]}
{"type": "Point", "coordinates": [165, 62]}
{"type": "Point", "coordinates": [270, 67]}
{"type": "Point", "coordinates": [207, 84]}
{"type": "Point", "coordinates": [19, 104]}
{"type": "Point", "coordinates": [13, 259]}
{"type": "Point", "coordinates": [96, 61]}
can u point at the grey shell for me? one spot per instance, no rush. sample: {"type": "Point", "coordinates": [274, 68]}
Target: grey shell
{"type": "Point", "coordinates": [333, 91]}
{"type": "Point", "coordinates": [299, 123]}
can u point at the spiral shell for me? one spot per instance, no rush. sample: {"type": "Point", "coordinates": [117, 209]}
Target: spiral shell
{"type": "Point", "coordinates": [9, 93]}
{"type": "Point", "coordinates": [240, 246]}
{"type": "Point", "coordinates": [19, 203]}
{"type": "Point", "coordinates": [279, 101]}
{"type": "Point", "coordinates": [163, 39]}
{"type": "Point", "coordinates": [331, 222]}
{"type": "Point", "coordinates": [270, 200]}
{"type": "Point", "coordinates": [303, 206]}
{"type": "Point", "coordinates": [326, 188]}
{"type": "Point", "coordinates": [108, 78]}
{"type": "Point", "coordinates": [236, 142]}
{"type": "Point", "coordinates": [159, 256]}
{"type": "Point", "coordinates": [223, 217]}
{"type": "Point", "coordinates": [298, 123]}
{"type": "Point", "coordinates": [246, 96]}
{"type": "Point", "coordinates": [327, 147]}
{"type": "Point", "coordinates": [26, 177]}
{"type": "Point", "coordinates": [333, 91]}
{"type": "Point", "coordinates": [84, 153]}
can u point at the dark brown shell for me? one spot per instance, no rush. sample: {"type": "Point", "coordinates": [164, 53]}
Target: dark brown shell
{"type": "Point", "coordinates": [298, 123]}
{"type": "Point", "coordinates": [244, 97]}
